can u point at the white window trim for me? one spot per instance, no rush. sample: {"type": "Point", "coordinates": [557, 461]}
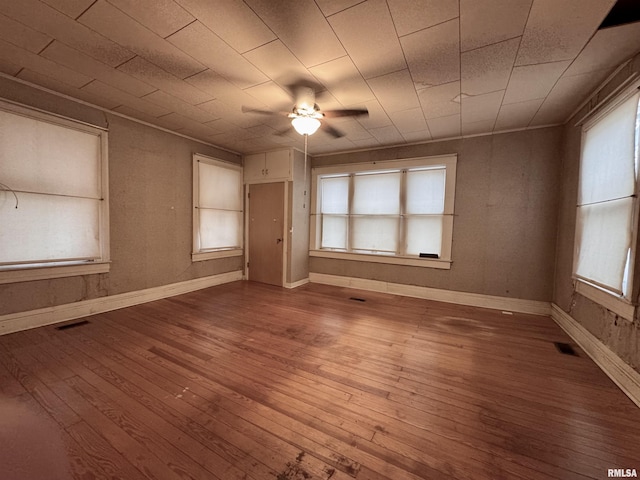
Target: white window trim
{"type": "Point", "coordinates": [26, 273]}
{"type": "Point", "coordinates": [208, 255]}
{"type": "Point", "coordinates": [444, 262]}
{"type": "Point", "coordinates": [620, 305]}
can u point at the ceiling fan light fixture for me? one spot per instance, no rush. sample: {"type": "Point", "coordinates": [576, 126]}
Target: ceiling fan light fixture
{"type": "Point", "coordinates": [305, 125]}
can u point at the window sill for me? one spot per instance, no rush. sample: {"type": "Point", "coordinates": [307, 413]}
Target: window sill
{"type": "Point", "coordinates": [202, 256]}
{"type": "Point", "coordinates": [617, 305]}
{"type": "Point", "coordinates": [29, 274]}
{"type": "Point", "coordinates": [361, 257]}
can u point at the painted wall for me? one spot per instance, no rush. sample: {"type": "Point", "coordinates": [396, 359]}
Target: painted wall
{"type": "Point", "coordinates": [150, 188]}
{"type": "Point", "coordinates": [299, 219]}
{"type": "Point", "coordinates": [620, 335]}
{"type": "Point", "coordinates": [504, 229]}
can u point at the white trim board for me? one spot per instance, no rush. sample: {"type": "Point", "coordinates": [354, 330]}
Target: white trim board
{"type": "Point", "coordinates": [297, 284]}
{"type": "Point", "coordinates": [534, 307]}
{"type": "Point", "coordinates": [617, 370]}
{"type": "Point", "coordinates": [15, 322]}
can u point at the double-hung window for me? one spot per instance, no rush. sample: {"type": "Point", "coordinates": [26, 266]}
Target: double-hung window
{"type": "Point", "coordinates": [607, 205]}
{"type": "Point", "coordinates": [398, 211]}
{"type": "Point", "coordinates": [53, 196]}
{"type": "Point", "coordinates": [217, 208]}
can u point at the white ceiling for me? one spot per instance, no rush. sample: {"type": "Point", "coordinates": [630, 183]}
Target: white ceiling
{"type": "Point", "coordinates": [425, 69]}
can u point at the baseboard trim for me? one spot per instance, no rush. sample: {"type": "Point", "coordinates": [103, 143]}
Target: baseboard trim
{"type": "Point", "coordinates": [299, 283]}
{"type": "Point", "coordinates": [625, 377]}
{"type": "Point", "coordinates": [461, 298]}
{"type": "Point", "coordinates": [15, 322]}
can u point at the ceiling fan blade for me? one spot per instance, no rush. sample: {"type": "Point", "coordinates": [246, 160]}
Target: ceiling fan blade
{"type": "Point", "coordinates": [359, 112]}
{"type": "Point", "coordinates": [262, 112]}
{"type": "Point", "coordinates": [334, 132]}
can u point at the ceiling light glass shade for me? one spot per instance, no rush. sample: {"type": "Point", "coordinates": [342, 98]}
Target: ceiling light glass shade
{"type": "Point", "coordinates": [305, 125]}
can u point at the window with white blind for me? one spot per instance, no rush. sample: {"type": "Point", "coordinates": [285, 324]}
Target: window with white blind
{"type": "Point", "coordinates": [217, 208]}
{"type": "Point", "coordinates": [607, 198]}
{"type": "Point", "coordinates": [398, 211]}
{"type": "Point", "coordinates": [53, 196]}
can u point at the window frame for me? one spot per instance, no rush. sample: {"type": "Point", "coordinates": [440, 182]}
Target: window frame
{"type": "Point", "coordinates": [622, 305]}
{"type": "Point", "coordinates": [202, 255]}
{"type": "Point", "coordinates": [42, 271]}
{"type": "Point", "coordinates": [449, 162]}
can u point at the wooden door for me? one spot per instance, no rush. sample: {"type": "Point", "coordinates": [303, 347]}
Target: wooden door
{"type": "Point", "coordinates": [266, 232]}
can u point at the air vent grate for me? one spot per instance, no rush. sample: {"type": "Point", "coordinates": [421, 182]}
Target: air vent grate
{"type": "Point", "coordinates": [357, 299]}
{"type": "Point", "coordinates": [565, 348]}
{"type": "Point", "coordinates": [72, 325]}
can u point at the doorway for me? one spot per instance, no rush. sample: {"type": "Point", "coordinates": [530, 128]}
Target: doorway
{"type": "Point", "coordinates": [266, 232]}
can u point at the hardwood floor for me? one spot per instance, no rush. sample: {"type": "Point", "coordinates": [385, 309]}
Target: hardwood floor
{"type": "Point", "coordinates": [249, 381]}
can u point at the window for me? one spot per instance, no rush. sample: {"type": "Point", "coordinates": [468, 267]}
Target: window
{"type": "Point", "coordinates": [53, 196]}
{"type": "Point", "coordinates": [217, 208]}
{"type": "Point", "coordinates": [607, 198]}
{"type": "Point", "coordinates": [397, 211]}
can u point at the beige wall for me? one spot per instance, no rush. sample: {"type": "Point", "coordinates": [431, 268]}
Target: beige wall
{"type": "Point", "coordinates": [620, 335]}
{"type": "Point", "coordinates": [150, 188]}
{"type": "Point", "coordinates": [299, 211]}
{"type": "Point", "coordinates": [505, 216]}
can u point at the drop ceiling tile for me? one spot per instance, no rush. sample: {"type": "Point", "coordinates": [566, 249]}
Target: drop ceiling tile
{"type": "Point", "coordinates": [366, 143]}
{"type": "Point", "coordinates": [75, 60]}
{"type": "Point", "coordinates": [566, 95]}
{"type": "Point", "coordinates": [487, 69]}
{"type": "Point", "coordinates": [272, 95]}
{"type": "Point", "coordinates": [213, 84]}
{"type": "Point", "coordinates": [232, 20]}
{"type": "Point", "coordinates": [71, 8]}
{"type": "Point", "coordinates": [517, 115]}
{"type": "Point", "coordinates": [119, 97]}
{"type": "Point", "coordinates": [476, 128]}
{"type": "Point", "coordinates": [368, 25]}
{"type": "Point", "coordinates": [481, 107]}
{"type": "Point", "coordinates": [12, 54]}
{"type": "Point", "coordinates": [231, 113]}
{"type": "Point", "coordinates": [395, 91]}
{"type": "Point", "coordinates": [111, 22]}
{"type": "Point", "coordinates": [163, 17]}
{"type": "Point", "coordinates": [343, 80]}
{"type": "Point", "coordinates": [159, 78]}
{"type": "Point", "coordinates": [377, 116]}
{"type": "Point", "coordinates": [174, 104]}
{"type": "Point", "coordinates": [484, 22]}
{"type": "Point", "coordinates": [22, 36]}
{"type": "Point", "coordinates": [417, 137]}
{"type": "Point", "coordinates": [279, 64]}
{"type": "Point", "coordinates": [329, 7]}
{"type": "Point", "coordinates": [408, 121]}
{"type": "Point", "coordinates": [433, 54]}
{"type": "Point", "coordinates": [410, 17]}
{"type": "Point", "coordinates": [607, 49]}
{"type": "Point", "coordinates": [445, 127]}
{"type": "Point", "coordinates": [51, 22]}
{"type": "Point", "coordinates": [322, 46]}
{"type": "Point", "coordinates": [209, 49]}
{"type": "Point", "coordinates": [350, 127]}
{"type": "Point", "coordinates": [387, 135]}
{"type": "Point", "coordinates": [440, 101]}
{"type": "Point", "coordinates": [559, 30]}
{"type": "Point", "coordinates": [532, 82]}
{"type": "Point", "coordinates": [137, 114]}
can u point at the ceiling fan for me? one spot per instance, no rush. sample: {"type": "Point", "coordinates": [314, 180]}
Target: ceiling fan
{"type": "Point", "coordinates": [306, 115]}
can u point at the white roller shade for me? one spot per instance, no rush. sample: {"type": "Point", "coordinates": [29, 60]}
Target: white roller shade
{"type": "Point", "coordinates": [376, 194]}
{"type": "Point", "coordinates": [220, 187]}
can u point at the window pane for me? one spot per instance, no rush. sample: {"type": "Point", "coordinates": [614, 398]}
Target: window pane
{"type": "Point", "coordinates": [335, 195]}
{"type": "Point", "coordinates": [425, 191]}
{"type": "Point", "coordinates": [334, 231]}
{"type": "Point", "coordinates": [376, 194]}
{"type": "Point", "coordinates": [375, 233]}
{"type": "Point", "coordinates": [39, 156]}
{"type": "Point", "coordinates": [219, 187]}
{"type": "Point", "coordinates": [45, 228]}
{"type": "Point", "coordinates": [423, 235]}
{"type": "Point", "coordinates": [604, 237]}
{"type": "Point", "coordinates": [220, 229]}
{"type": "Point", "coordinates": [607, 168]}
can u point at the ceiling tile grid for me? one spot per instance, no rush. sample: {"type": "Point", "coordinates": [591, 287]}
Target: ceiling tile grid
{"type": "Point", "coordinates": [424, 69]}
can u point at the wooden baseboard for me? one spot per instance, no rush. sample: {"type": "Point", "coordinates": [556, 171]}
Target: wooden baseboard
{"type": "Point", "coordinates": [299, 283]}
{"type": "Point", "coordinates": [15, 322]}
{"type": "Point", "coordinates": [617, 370]}
{"type": "Point", "coordinates": [461, 298]}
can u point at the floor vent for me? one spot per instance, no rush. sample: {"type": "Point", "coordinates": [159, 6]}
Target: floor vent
{"type": "Point", "coordinates": [72, 325]}
{"type": "Point", "coordinates": [565, 348]}
{"type": "Point", "coordinates": [357, 299]}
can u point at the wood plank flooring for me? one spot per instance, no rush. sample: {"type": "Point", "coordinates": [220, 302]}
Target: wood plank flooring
{"type": "Point", "coordinates": [249, 381]}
